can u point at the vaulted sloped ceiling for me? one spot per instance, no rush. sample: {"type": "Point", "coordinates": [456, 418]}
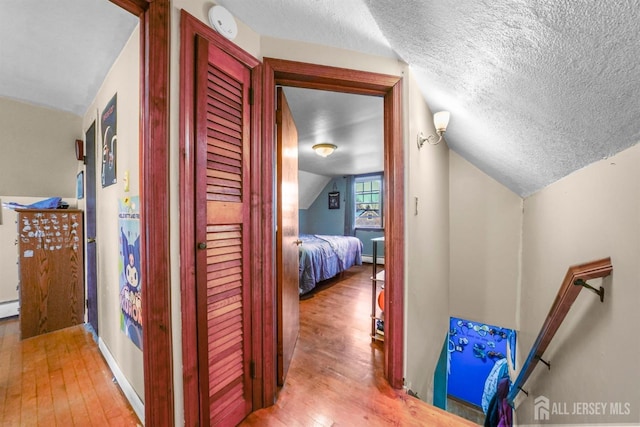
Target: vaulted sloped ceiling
{"type": "Point", "coordinates": [536, 90]}
{"type": "Point", "coordinates": [56, 54]}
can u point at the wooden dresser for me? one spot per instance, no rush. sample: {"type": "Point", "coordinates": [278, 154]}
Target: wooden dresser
{"type": "Point", "coordinates": [51, 269]}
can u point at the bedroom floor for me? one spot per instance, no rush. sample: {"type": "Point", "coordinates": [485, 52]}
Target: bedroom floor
{"type": "Point", "coordinates": [336, 375]}
{"type": "Point", "coordinates": [59, 378]}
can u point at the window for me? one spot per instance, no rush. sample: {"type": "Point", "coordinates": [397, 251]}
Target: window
{"type": "Point", "coordinates": [368, 202]}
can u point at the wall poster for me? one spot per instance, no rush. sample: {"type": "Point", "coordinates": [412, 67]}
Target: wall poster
{"type": "Point", "coordinates": [478, 360]}
{"type": "Point", "coordinates": [109, 121]}
{"type": "Point", "coordinates": [129, 269]}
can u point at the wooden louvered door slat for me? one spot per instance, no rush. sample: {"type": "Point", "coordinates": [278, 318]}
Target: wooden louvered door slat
{"type": "Point", "coordinates": [222, 218]}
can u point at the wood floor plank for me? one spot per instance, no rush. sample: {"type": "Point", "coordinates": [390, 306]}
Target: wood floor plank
{"type": "Point", "coordinates": [336, 377]}
{"type": "Point", "coordinates": [10, 380]}
{"type": "Point", "coordinates": [57, 379]}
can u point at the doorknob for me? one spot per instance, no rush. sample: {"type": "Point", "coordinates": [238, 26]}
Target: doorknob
{"type": "Point", "coordinates": [91, 240]}
{"type": "Point", "coordinates": [298, 242]}
{"type": "Point", "coordinates": [202, 245]}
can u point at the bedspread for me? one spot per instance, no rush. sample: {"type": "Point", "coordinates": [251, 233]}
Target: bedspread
{"type": "Point", "coordinates": [322, 257]}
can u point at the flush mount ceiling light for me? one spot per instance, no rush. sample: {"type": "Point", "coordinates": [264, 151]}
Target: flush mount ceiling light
{"type": "Point", "coordinates": [440, 121]}
{"type": "Point", "coordinates": [324, 149]}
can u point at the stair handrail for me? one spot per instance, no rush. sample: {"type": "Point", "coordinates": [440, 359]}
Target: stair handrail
{"type": "Point", "coordinates": [573, 282]}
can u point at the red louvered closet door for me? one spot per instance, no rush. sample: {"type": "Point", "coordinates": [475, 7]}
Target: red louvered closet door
{"type": "Point", "coordinates": [222, 233]}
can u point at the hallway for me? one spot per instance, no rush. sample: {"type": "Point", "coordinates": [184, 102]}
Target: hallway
{"type": "Point", "coordinates": [57, 379]}
{"type": "Point", "coordinates": [336, 375]}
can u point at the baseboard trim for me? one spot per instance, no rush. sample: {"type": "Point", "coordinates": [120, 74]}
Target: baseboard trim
{"type": "Point", "coordinates": [9, 309]}
{"type": "Point", "coordinates": [369, 259]}
{"type": "Point", "coordinates": [127, 389]}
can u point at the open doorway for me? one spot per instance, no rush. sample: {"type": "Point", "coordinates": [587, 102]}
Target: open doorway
{"type": "Point", "coordinates": [339, 212]}
{"type": "Point", "coordinates": [288, 73]}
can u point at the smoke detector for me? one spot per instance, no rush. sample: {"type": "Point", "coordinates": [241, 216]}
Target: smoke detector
{"type": "Point", "coordinates": [223, 22]}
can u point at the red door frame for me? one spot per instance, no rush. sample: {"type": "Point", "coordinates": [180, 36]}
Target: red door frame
{"type": "Point", "coordinates": [154, 204]}
{"type": "Point", "coordinates": [290, 73]}
{"type": "Point", "coordinates": [189, 27]}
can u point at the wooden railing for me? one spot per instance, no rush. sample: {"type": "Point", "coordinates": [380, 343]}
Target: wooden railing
{"type": "Point", "coordinates": [574, 281]}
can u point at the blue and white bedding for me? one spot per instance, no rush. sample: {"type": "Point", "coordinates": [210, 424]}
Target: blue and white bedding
{"type": "Point", "coordinates": [322, 257]}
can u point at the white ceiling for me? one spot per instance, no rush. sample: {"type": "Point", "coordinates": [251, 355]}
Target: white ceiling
{"type": "Point", "coordinates": [57, 53]}
{"type": "Point", "coordinates": [354, 123]}
{"type": "Point", "coordinates": [536, 90]}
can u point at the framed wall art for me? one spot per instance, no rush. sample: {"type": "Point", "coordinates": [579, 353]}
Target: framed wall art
{"type": "Point", "coordinates": [80, 185]}
{"type": "Point", "coordinates": [334, 200]}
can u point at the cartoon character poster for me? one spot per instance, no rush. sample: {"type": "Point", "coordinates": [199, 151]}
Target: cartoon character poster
{"type": "Point", "coordinates": [109, 121]}
{"type": "Point", "coordinates": [129, 266]}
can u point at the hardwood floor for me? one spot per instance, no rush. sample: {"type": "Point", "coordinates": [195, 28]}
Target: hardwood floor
{"type": "Point", "coordinates": [336, 376]}
{"type": "Point", "coordinates": [57, 379]}
{"type": "Point", "coordinates": [335, 379]}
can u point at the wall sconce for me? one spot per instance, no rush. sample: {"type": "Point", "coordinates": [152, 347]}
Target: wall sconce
{"type": "Point", "coordinates": [324, 149]}
{"type": "Point", "coordinates": [440, 121]}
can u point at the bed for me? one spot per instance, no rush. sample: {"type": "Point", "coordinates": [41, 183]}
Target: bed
{"type": "Point", "coordinates": [322, 257]}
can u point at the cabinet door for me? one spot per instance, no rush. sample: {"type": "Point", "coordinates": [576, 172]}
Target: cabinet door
{"type": "Point", "coordinates": [51, 270]}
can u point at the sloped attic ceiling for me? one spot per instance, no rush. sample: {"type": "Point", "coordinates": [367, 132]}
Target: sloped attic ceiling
{"type": "Point", "coordinates": [57, 54]}
{"type": "Point", "coordinates": [536, 90]}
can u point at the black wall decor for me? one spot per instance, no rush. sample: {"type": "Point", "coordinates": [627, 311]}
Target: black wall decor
{"type": "Point", "coordinates": [334, 200]}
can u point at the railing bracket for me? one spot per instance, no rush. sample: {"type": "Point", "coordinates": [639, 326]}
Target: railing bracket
{"type": "Point", "coordinates": [524, 391]}
{"type": "Point", "coordinates": [584, 284]}
{"type": "Point", "coordinates": [544, 361]}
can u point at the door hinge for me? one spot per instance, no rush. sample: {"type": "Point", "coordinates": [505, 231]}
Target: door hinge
{"type": "Point", "coordinates": [86, 303]}
{"type": "Point", "coordinates": [252, 369]}
{"type": "Point", "coordinates": [250, 96]}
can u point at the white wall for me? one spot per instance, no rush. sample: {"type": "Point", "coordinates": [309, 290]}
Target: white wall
{"type": "Point", "coordinates": [310, 185]}
{"type": "Point", "coordinates": [591, 214]}
{"type": "Point", "coordinates": [486, 225]}
{"type": "Point", "coordinates": [123, 79]}
{"type": "Point", "coordinates": [427, 246]}
{"type": "Point", "coordinates": [8, 254]}
{"type": "Point", "coordinates": [37, 162]}
{"type": "Point", "coordinates": [331, 56]}
{"type": "Point", "coordinates": [38, 150]}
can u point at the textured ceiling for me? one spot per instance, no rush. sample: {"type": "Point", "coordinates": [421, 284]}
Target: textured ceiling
{"type": "Point", "coordinates": [536, 90]}
{"type": "Point", "coordinates": [354, 123]}
{"type": "Point", "coordinates": [56, 53]}
{"type": "Point", "coordinates": [347, 24]}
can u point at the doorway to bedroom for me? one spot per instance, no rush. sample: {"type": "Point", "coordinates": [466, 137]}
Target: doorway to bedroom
{"type": "Point", "coordinates": [388, 89]}
{"type": "Point", "coordinates": [331, 150]}
{"type": "Point", "coordinates": [340, 193]}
